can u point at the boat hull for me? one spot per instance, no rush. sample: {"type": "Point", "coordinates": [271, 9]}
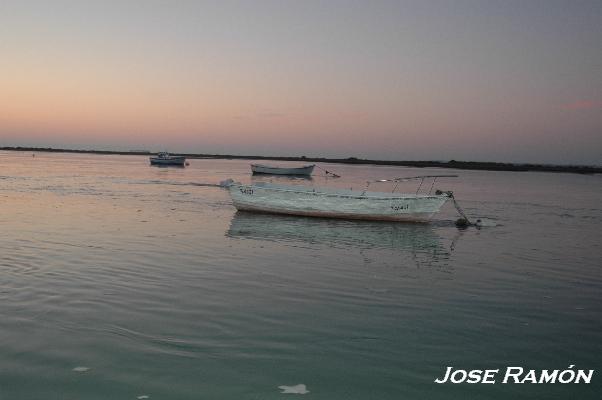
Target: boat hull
{"type": "Point", "coordinates": [178, 161]}
{"type": "Point", "coordinates": [266, 169]}
{"type": "Point", "coordinates": [276, 199]}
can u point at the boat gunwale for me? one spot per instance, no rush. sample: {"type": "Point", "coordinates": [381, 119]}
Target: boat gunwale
{"type": "Point", "coordinates": [167, 158]}
{"type": "Point", "coordinates": [345, 196]}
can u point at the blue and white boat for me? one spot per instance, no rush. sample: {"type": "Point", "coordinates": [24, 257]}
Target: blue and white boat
{"type": "Point", "coordinates": [164, 158]}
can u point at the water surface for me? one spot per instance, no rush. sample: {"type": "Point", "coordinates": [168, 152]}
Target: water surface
{"type": "Point", "coordinates": [121, 280]}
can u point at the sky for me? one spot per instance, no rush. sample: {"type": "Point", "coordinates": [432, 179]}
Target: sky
{"type": "Point", "coordinates": [510, 81]}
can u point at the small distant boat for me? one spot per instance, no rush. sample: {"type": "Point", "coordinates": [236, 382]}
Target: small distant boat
{"type": "Point", "coordinates": [337, 203]}
{"type": "Point", "coordinates": [164, 158]}
{"type": "Point", "coordinates": [305, 170]}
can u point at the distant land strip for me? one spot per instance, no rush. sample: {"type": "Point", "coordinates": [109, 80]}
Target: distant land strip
{"type": "Point", "coordinates": [469, 165]}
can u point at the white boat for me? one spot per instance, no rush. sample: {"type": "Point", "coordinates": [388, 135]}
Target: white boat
{"type": "Point", "coordinates": [273, 170]}
{"type": "Point", "coordinates": [337, 203]}
{"type": "Point", "coordinates": [164, 158]}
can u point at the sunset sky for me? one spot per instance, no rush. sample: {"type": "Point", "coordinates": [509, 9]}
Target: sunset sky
{"type": "Point", "coordinates": [517, 81]}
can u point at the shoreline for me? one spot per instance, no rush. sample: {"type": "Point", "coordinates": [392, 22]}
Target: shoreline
{"type": "Point", "coordinates": [453, 164]}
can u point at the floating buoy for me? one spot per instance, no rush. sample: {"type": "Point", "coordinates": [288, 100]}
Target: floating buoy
{"type": "Point", "coordinates": [462, 223]}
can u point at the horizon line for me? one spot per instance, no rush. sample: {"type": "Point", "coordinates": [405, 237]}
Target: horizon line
{"type": "Point", "coordinates": [455, 164]}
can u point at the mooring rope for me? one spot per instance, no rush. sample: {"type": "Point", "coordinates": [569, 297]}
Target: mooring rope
{"type": "Point", "coordinates": [459, 209]}
{"type": "Point", "coordinates": [464, 221]}
{"type": "Point", "coordinates": [328, 172]}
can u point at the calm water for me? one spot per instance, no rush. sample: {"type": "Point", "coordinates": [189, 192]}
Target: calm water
{"type": "Point", "coordinates": [154, 286]}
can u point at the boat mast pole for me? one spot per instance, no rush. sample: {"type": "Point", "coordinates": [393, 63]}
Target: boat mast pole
{"type": "Point", "coordinates": [431, 189]}
{"type": "Point", "coordinates": [419, 186]}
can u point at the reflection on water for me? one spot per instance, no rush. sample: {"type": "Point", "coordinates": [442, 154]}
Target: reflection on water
{"type": "Point", "coordinates": [409, 239]}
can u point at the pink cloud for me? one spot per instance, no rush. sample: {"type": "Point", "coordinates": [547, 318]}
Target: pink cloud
{"type": "Point", "coordinates": [583, 105]}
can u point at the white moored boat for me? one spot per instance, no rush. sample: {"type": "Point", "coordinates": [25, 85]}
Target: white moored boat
{"type": "Point", "coordinates": [164, 158]}
{"type": "Point", "coordinates": [337, 203]}
{"type": "Point", "coordinates": [273, 170]}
